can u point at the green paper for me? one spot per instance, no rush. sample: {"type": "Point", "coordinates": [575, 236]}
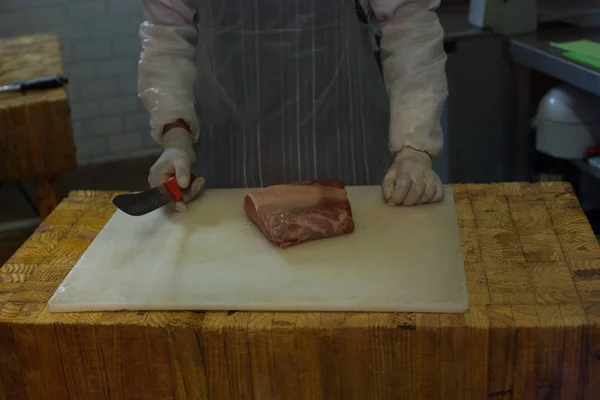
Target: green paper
{"type": "Point", "coordinates": [584, 47]}
{"type": "Point", "coordinates": [583, 51]}
{"type": "Point", "coordinates": [591, 61]}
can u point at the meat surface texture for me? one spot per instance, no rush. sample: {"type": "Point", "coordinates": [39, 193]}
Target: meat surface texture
{"type": "Point", "coordinates": [301, 211]}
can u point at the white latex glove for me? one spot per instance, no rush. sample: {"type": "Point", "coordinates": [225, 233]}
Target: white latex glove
{"type": "Point", "coordinates": [176, 160]}
{"type": "Point", "coordinates": [411, 180]}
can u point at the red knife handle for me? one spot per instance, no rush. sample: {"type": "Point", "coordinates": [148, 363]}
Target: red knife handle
{"type": "Point", "coordinates": [174, 189]}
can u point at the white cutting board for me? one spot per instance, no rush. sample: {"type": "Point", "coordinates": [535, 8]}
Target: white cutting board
{"type": "Point", "coordinates": [214, 258]}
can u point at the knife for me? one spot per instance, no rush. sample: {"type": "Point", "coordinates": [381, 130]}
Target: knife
{"type": "Point", "coordinates": [50, 82]}
{"type": "Point", "coordinates": [142, 203]}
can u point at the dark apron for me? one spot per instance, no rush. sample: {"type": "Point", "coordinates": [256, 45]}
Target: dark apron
{"type": "Point", "coordinates": [288, 90]}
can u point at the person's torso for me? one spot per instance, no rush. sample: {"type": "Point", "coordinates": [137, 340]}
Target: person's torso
{"type": "Point", "coordinates": [294, 86]}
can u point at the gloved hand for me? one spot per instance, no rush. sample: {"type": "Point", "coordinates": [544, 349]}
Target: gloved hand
{"type": "Point", "coordinates": [176, 160]}
{"type": "Point", "coordinates": [411, 180]}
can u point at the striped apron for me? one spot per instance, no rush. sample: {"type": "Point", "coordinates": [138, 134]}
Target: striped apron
{"type": "Point", "coordinates": [288, 90]}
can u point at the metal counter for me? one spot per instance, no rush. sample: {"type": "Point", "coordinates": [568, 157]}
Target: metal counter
{"type": "Point", "coordinates": [535, 52]}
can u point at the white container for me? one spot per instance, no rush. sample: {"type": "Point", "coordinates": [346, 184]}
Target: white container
{"type": "Point", "coordinates": [567, 123]}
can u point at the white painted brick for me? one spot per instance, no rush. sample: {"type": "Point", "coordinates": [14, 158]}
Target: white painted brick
{"type": "Point", "coordinates": [10, 21]}
{"type": "Point", "coordinates": [77, 128]}
{"type": "Point", "coordinates": [87, 10]}
{"type": "Point", "coordinates": [12, 33]}
{"type": "Point", "coordinates": [28, 30]}
{"type": "Point", "coordinates": [73, 91]}
{"type": "Point", "coordinates": [119, 105]}
{"type": "Point", "coordinates": [93, 50]}
{"type": "Point", "coordinates": [146, 152]}
{"type": "Point", "coordinates": [128, 84]}
{"type": "Point", "coordinates": [103, 126]}
{"type": "Point", "coordinates": [85, 160]}
{"type": "Point", "coordinates": [79, 72]}
{"type": "Point", "coordinates": [85, 110]}
{"type": "Point", "coordinates": [66, 52]}
{"type": "Point", "coordinates": [116, 156]}
{"type": "Point", "coordinates": [100, 49]}
{"type": "Point", "coordinates": [151, 142]}
{"type": "Point", "coordinates": [98, 89]}
{"type": "Point", "coordinates": [125, 7]}
{"type": "Point", "coordinates": [73, 33]}
{"type": "Point", "coordinates": [119, 66]}
{"type": "Point", "coordinates": [125, 141]}
{"type": "Point", "coordinates": [10, 5]}
{"type": "Point", "coordinates": [128, 46]}
{"type": "Point", "coordinates": [47, 17]}
{"type": "Point", "coordinates": [140, 120]}
{"type": "Point", "coordinates": [117, 27]}
{"type": "Point", "coordinates": [50, 2]}
{"type": "Point", "coordinates": [87, 147]}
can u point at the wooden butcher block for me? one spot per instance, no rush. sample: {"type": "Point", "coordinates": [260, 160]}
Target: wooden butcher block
{"type": "Point", "coordinates": [532, 330]}
{"type": "Point", "coordinates": [214, 258]}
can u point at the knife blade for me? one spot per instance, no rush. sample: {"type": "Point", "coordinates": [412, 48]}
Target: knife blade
{"type": "Point", "coordinates": [50, 82]}
{"type": "Point", "coordinates": [144, 202]}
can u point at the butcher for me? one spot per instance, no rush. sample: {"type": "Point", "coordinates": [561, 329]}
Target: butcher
{"type": "Point", "coordinates": [251, 93]}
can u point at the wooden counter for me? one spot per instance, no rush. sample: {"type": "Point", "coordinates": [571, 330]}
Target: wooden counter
{"type": "Point", "coordinates": [36, 139]}
{"type": "Point", "coordinates": [533, 269]}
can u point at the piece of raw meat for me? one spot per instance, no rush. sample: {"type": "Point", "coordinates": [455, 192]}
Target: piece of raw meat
{"type": "Point", "coordinates": [297, 212]}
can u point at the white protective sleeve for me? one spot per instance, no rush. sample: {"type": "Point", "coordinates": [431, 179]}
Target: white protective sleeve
{"type": "Point", "coordinates": [412, 54]}
{"type": "Point", "coordinates": [167, 65]}
{"type": "Point", "coordinates": [414, 60]}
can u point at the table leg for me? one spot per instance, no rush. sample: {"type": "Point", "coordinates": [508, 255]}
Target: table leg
{"type": "Point", "coordinates": [531, 87]}
{"type": "Point", "coordinates": [46, 194]}
{"type": "Point", "coordinates": [524, 113]}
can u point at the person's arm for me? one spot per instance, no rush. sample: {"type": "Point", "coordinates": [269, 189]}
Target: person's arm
{"type": "Point", "coordinates": [167, 71]}
{"type": "Point", "coordinates": [167, 66]}
{"type": "Point", "coordinates": [413, 58]}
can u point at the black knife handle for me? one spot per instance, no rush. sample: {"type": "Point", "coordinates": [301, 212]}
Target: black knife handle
{"type": "Point", "coordinates": [51, 82]}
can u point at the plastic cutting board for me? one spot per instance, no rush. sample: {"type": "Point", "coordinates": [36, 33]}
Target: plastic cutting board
{"type": "Point", "coordinates": [214, 258]}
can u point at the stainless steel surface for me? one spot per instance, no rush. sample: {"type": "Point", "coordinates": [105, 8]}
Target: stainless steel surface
{"type": "Point", "coordinates": [535, 52]}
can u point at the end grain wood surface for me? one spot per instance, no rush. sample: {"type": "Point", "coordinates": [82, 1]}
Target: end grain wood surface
{"type": "Point", "coordinates": [36, 139]}
{"type": "Point", "coordinates": [533, 270]}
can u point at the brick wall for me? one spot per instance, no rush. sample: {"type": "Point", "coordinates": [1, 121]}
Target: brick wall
{"type": "Point", "coordinates": [100, 53]}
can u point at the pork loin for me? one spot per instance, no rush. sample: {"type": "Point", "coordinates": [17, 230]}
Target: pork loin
{"type": "Point", "coordinates": [297, 212]}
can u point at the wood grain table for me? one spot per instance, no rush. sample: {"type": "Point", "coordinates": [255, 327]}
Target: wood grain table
{"type": "Point", "coordinates": [533, 268]}
{"type": "Point", "coordinates": [36, 139]}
